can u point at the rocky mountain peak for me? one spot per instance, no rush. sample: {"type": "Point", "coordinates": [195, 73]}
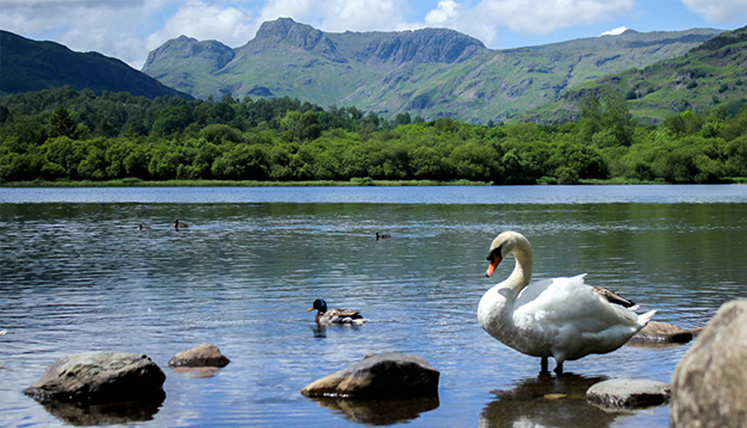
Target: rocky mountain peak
{"type": "Point", "coordinates": [289, 31]}
{"type": "Point", "coordinates": [428, 45]}
{"type": "Point", "coordinates": [184, 47]}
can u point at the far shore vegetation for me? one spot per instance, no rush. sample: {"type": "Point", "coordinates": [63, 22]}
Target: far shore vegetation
{"type": "Point", "coordinates": [65, 137]}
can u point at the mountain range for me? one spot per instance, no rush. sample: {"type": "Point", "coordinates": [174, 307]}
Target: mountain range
{"type": "Point", "coordinates": [428, 72]}
{"type": "Point", "coordinates": [29, 65]}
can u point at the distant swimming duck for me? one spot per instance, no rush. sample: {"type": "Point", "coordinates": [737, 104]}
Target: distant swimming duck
{"type": "Point", "coordinates": [382, 236]}
{"type": "Point", "coordinates": [179, 224]}
{"type": "Point", "coordinates": [142, 226]}
{"type": "Point", "coordinates": [335, 316]}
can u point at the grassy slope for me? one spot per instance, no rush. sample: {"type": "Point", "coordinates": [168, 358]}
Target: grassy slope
{"type": "Point", "coordinates": [704, 77]}
{"type": "Point", "coordinates": [496, 85]}
{"type": "Point", "coordinates": [28, 65]}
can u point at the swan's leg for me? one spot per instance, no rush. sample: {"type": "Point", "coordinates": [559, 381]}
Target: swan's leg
{"type": "Point", "coordinates": [559, 368]}
{"type": "Point", "coordinates": [543, 366]}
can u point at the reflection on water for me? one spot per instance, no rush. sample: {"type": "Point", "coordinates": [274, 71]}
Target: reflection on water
{"type": "Point", "coordinates": [546, 401]}
{"type": "Point", "coordinates": [379, 412]}
{"type": "Point", "coordinates": [103, 414]}
{"type": "Point", "coordinates": [78, 277]}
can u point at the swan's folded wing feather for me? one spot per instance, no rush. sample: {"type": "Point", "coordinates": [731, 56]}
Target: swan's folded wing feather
{"type": "Point", "coordinates": [569, 301]}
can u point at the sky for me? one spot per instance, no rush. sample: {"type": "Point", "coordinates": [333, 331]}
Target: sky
{"type": "Point", "coordinates": [129, 29]}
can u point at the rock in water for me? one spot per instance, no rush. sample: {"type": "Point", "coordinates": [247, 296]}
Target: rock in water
{"type": "Point", "coordinates": [628, 393]}
{"type": "Point", "coordinates": [205, 355]}
{"type": "Point", "coordinates": [100, 377]}
{"type": "Point", "coordinates": [658, 333]}
{"type": "Point", "coordinates": [709, 386]}
{"type": "Point", "coordinates": [386, 375]}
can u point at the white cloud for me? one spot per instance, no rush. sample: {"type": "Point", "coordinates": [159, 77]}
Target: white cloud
{"type": "Point", "coordinates": [615, 31]}
{"type": "Point", "coordinates": [718, 10]}
{"type": "Point", "coordinates": [536, 18]}
{"type": "Point", "coordinates": [203, 21]}
{"type": "Point", "coordinates": [445, 11]}
{"type": "Point", "coordinates": [340, 15]}
{"type": "Point", "coordinates": [82, 25]}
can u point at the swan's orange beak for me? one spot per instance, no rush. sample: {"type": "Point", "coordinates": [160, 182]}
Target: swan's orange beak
{"type": "Point", "coordinates": [494, 261]}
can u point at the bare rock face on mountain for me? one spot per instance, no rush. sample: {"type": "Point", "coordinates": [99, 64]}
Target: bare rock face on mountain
{"type": "Point", "coordinates": [211, 54]}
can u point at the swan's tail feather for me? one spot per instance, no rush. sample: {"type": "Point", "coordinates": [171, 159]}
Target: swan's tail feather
{"type": "Point", "coordinates": [643, 319]}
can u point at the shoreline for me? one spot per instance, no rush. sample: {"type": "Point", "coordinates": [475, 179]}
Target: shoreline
{"type": "Point", "coordinates": [134, 182]}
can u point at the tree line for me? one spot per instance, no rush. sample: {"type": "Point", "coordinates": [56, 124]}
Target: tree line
{"type": "Point", "coordinates": [66, 134]}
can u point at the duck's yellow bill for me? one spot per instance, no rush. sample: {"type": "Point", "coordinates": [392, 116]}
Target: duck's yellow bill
{"type": "Point", "coordinates": [310, 309]}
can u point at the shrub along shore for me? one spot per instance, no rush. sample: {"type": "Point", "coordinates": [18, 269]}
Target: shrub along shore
{"type": "Point", "coordinates": [65, 137]}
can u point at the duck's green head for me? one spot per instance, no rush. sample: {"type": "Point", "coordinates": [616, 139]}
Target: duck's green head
{"type": "Point", "coordinates": [320, 305]}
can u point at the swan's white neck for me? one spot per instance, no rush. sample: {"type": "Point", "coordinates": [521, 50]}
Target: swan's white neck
{"type": "Point", "coordinates": [496, 308]}
{"type": "Point", "coordinates": [523, 268]}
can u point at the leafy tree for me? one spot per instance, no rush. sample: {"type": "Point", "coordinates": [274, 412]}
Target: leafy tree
{"type": "Point", "coordinates": [61, 123]}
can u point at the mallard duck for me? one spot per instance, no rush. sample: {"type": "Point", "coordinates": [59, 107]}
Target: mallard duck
{"type": "Point", "coordinates": [326, 316]}
{"type": "Point", "coordinates": [382, 236]}
{"type": "Point", "coordinates": [142, 226]}
{"type": "Point", "coordinates": [179, 224]}
{"type": "Point", "coordinates": [561, 318]}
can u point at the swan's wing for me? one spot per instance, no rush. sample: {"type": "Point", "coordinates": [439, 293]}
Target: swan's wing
{"type": "Point", "coordinates": [531, 292]}
{"type": "Point", "coordinates": [561, 302]}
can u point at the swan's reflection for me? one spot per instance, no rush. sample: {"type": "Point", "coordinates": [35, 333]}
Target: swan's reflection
{"type": "Point", "coordinates": [379, 412]}
{"type": "Point", "coordinates": [546, 401]}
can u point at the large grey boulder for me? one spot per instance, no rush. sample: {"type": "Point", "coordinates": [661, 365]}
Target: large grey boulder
{"type": "Point", "coordinates": [386, 375]}
{"type": "Point", "coordinates": [628, 393]}
{"type": "Point", "coordinates": [709, 386]}
{"type": "Point", "coordinates": [205, 355]}
{"type": "Point", "coordinates": [100, 377]}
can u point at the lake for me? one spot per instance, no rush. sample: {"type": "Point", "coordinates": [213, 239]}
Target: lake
{"type": "Point", "coordinates": [76, 274]}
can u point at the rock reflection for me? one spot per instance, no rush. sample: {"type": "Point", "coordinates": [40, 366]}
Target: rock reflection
{"type": "Point", "coordinates": [547, 401]}
{"type": "Point", "coordinates": [379, 412]}
{"type": "Point", "coordinates": [124, 413]}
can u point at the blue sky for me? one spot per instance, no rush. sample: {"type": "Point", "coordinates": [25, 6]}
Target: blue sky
{"type": "Point", "coordinates": [129, 29]}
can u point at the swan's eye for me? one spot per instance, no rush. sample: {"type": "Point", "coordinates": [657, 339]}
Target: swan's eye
{"type": "Point", "coordinates": [496, 252]}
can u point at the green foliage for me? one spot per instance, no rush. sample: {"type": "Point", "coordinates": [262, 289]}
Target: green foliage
{"type": "Point", "coordinates": [50, 135]}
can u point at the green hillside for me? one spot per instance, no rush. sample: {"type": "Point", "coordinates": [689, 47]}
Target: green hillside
{"type": "Point", "coordinates": [430, 72]}
{"type": "Point", "coordinates": [27, 65]}
{"type": "Point", "coordinates": [708, 76]}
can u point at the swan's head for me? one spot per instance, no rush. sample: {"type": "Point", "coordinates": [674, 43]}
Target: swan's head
{"type": "Point", "coordinates": [504, 244]}
{"type": "Point", "coordinates": [320, 305]}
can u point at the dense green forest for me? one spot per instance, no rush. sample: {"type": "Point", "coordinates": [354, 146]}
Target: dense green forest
{"type": "Point", "coordinates": [65, 134]}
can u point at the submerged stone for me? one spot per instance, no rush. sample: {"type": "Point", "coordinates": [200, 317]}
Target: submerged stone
{"type": "Point", "coordinates": [205, 355]}
{"type": "Point", "coordinates": [386, 375]}
{"type": "Point", "coordinates": [628, 393]}
{"type": "Point", "coordinates": [660, 333]}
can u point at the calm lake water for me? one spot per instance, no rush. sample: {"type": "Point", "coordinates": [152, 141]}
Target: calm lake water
{"type": "Point", "coordinates": [77, 275]}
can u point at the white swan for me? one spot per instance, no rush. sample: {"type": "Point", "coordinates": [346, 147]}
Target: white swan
{"type": "Point", "coordinates": [560, 317]}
